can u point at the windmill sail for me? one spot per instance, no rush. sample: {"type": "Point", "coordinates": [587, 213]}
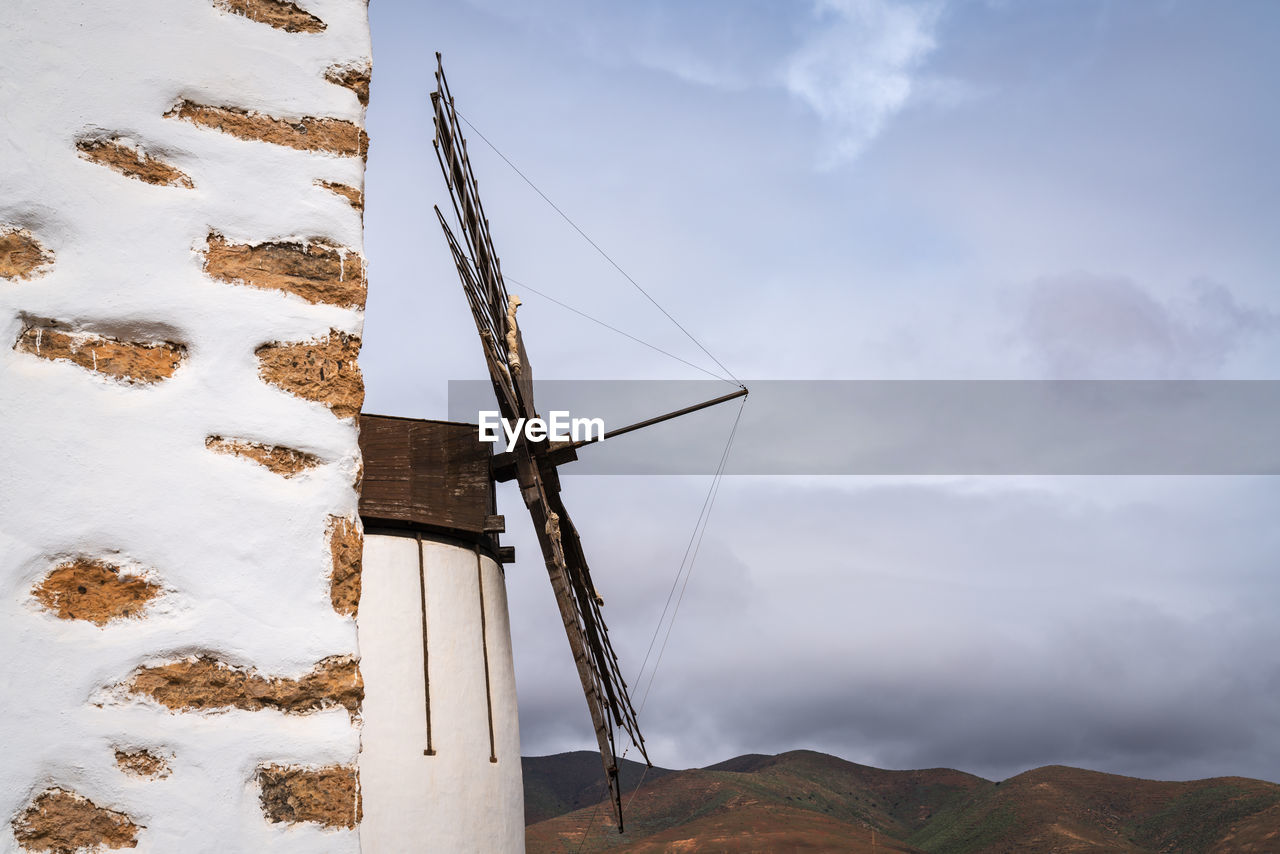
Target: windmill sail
{"type": "Point", "coordinates": [493, 310]}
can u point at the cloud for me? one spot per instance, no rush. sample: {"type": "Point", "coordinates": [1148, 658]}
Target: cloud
{"type": "Point", "coordinates": [723, 44]}
{"type": "Point", "coordinates": [857, 70]}
{"type": "Point", "coordinates": [1121, 687]}
{"type": "Point", "coordinates": [854, 63]}
{"type": "Point", "coordinates": [1122, 625]}
{"type": "Point", "coordinates": [1086, 326]}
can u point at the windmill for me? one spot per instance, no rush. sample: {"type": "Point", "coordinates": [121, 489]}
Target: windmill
{"type": "Point", "coordinates": [534, 464]}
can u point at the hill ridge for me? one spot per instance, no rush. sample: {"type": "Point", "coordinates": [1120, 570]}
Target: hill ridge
{"type": "Point", "coordinates": [805, 800]}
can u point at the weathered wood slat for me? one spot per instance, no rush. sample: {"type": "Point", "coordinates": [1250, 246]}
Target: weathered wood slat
{"type": "Point", "coordinates": [425, 475]}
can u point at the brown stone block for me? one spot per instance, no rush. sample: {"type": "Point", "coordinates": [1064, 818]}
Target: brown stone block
{"type": "Point", "coordinates": [332, 136]}
{"type": "Point", "coordinates": [286, 462]}
{"type": "Point", "coordinates": [201, 683]}
{"type": "Point", "coordinates": [351, 194]}
{"type": "Point", "coordinates": [325, 371]}
{"type": "Point", "coordinates": [346, 545]}
{"type": "Point", "coordinates": [126, 361]}
{"type": "Point", "coordinates": [94, 591]}
{"type": "Point", "coordinates": [142, 763]}
{"type": "Point", "coordinates": [64, 822]}
{"type": "Point", "coordinates": [317, 271]}
{"type": "Point", "coordinates": [129, 160]}
{"type": "Point", "coordinates": [276, 13]}
{"type": "Point", "coordinates": [21, 255]}
{"type": "Point", "coordinates": [353, 77]}
{"type": "Point", "coordinates": [329, 796]}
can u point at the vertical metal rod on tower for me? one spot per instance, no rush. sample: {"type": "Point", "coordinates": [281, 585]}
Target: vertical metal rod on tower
{"type": "Point", "coordinates": [484, 649]}
{"type": "Point", "coordinates": [426, 670]}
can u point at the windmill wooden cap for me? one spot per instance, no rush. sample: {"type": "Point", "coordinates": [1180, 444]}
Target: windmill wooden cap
{"type": "Point", "coordinates": [428, 477]}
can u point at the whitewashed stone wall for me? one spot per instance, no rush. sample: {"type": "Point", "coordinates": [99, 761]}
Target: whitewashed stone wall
{"type": "Point", "coordinates": [181, 297]}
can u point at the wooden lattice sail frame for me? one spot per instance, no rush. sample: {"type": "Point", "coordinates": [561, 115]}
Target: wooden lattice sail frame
{"type": "Point", "coordinates": [533, 463]}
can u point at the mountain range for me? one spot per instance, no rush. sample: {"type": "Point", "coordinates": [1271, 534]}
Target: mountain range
{"type": "Point", "coordinates": [809, 801]}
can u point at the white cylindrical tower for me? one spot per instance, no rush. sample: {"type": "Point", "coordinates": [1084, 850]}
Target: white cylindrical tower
{"type": "Point", "coordinates": [440, 743]}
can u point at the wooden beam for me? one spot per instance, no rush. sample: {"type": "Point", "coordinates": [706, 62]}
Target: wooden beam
{"type": "Point", "coordinates": [649, 422]}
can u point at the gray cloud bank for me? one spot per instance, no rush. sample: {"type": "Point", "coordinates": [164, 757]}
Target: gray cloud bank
{"type": "Point", "coordinates": [1122, 624]}
{"type": "Point", "coordinates": [1084, 326]}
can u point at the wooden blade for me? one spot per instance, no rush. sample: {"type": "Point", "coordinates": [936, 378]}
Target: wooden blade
{"type": "Point", "coordinates": [492, 306]}
{"type": "Point", "coordinates": [451, 151]}
{"type": "Point", "coordinates": [503, 385]}
{"type": "Point", "coordinates": [590, 603]}
{"type": "Point", "coordinates": [494, 312]}
{"type": "Point", "coordinates": [602, 683]}
{"type": "Point", "coordinates": [524, 376]}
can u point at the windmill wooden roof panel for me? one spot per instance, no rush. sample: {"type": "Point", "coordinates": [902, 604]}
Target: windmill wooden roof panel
{"type": "Point", "coordinates": [427, 475]}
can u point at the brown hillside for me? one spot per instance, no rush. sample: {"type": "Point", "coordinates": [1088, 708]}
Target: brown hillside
{"type": "Point", "coordinates": [795, 801]}
{"type": "Point", "coordinates": [807, 801]}
{"type": "Point", "coordinates": [1070, 809]}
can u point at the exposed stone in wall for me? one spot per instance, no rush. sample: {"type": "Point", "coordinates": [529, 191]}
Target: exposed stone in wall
{"type": "Point", "coordinates": [353, 77]}
{"type": "Point", "coordinates": [21, 255]}
{"type": "Point", "coordinates": [286, 462]}
{"type": "Point", "coordinates": [328, 796]}
{"type": "Point", "coordinates": [118, 671]}
{"type": "Point", "coordinates": [127, 361]}
{"type": "Point", "coordinates": [351, 194]}
{"type": "Point", "coordinates": [142, 763]}
{"type": "Point", "coordinates": [129, 160]}
{"type": "Point", "coordinates": [317, 271]}
{"type": "Point", "coordinates": [324, 371]}
{"type": "Point", "coordinates": [346, 544]}
{"type": "Point", "coordinates": [200, 683]}
{"type": "Point", "coordinates": [279, 14]}
{"type": "Point", "coordinates": [64, 822]}
{"type": "Point", "coordinates": [333, 136]}
{"type": "Point", "coordinates": [95, 591]}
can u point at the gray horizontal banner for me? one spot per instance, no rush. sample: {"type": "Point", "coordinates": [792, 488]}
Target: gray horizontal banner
{"type": "Point", "coordinates": [930, 427]}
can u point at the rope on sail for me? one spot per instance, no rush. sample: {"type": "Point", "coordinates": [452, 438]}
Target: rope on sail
{"type": "Point", "coordinates": [596, 247]}
{"type": "Point", "coordinates": [695, 542]}
{"type": "Point", "coordinates": [686, 570]}
{"type": "Point", "coordinates": [612, 328]}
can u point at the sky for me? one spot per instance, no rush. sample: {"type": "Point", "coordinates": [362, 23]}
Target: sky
{"type": "Point", "coordinates": [870, 190]}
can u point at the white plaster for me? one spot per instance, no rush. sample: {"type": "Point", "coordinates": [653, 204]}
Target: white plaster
{"type": "Point", "coordinates": [457, 800]}
{"type": "Point", "coordinates": [99, 468]}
